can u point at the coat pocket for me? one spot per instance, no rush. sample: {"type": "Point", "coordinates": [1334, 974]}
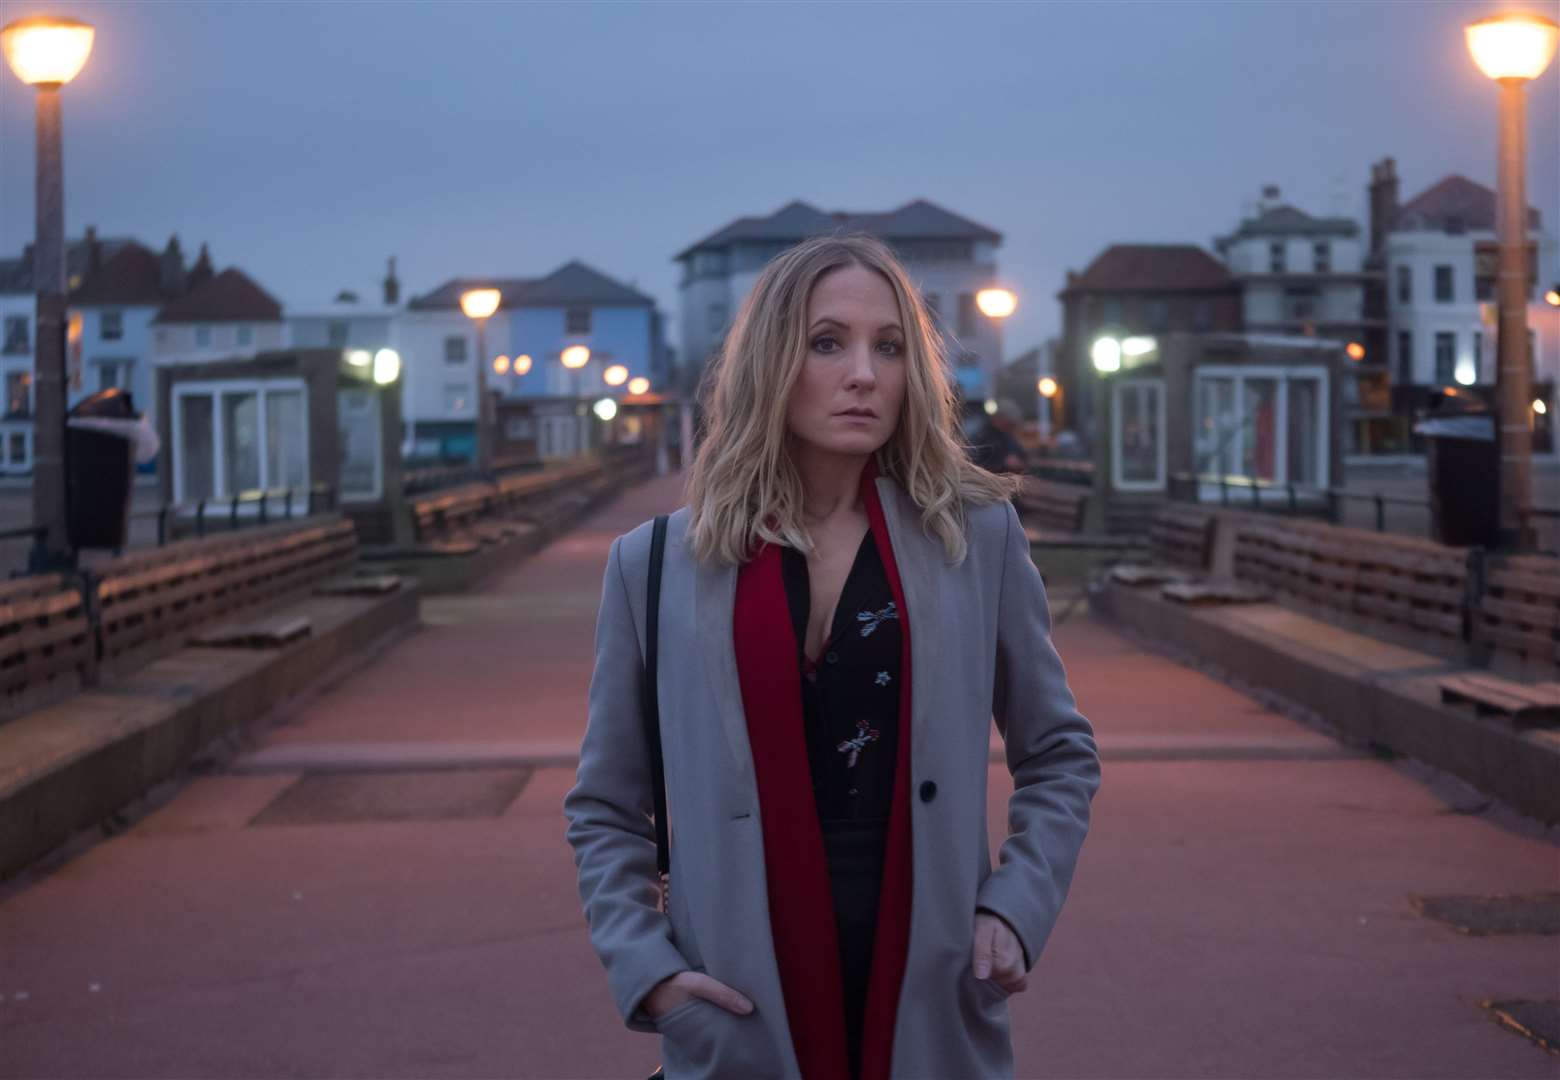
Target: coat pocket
{"type": "Point", "coordinates": [700, 1039]}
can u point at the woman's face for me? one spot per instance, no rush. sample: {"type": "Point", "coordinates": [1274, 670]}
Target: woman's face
{"type": "Point", "coordinates": [852, 384]}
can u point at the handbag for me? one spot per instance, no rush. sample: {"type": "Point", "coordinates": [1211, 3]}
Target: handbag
{"type": "Point", "coordinates": [650, 715]}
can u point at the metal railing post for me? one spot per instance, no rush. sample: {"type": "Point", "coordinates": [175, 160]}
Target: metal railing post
{"type": "Point", "coordinates": [1381, 513]}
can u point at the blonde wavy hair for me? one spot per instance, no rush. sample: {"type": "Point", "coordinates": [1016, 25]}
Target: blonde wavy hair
{"type": "Point", "coordinates": [745, 489]}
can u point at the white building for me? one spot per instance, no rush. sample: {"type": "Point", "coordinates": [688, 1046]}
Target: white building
{"type": "Point", "coordinates": [1442, 257]}
{"type": "Point", "coordinates": [949, 257]}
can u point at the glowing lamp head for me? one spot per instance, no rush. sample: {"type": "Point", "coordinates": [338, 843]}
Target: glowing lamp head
{"type": "Point", "coordinates": [1355, 350]}
{"type": "Point", "coordinates": [1539, 406]}
{"type": "Point", "coordinates": [1517, 45]}
{"type": "Point", "coordinates": [501, 365]}
{"type": "Point", "coordinates": [1047, 387]}
{"type": "Point", "coordinates": [606, 408]}
{"type": "Point", "coordinates": [45, 50]}
{"type": "Point", "coordinates": [991, 407]}
{"type": "Point", "coordinates": [522, 364]}
{"type": "Point", "coordinates": [387, 366]}
{"type": "Point", "coordinates": [638, 385]}
{"type": "Point", "coordinates": [616, 375]}
{"type": "Point", "coordinates": [1138, 346]}
{"type": "Point", "coordinates": [1552, 297]}
{"type": "Point", "coordinates": [480, 303]}
{"type": "Point", "coordinates": [996, 303]}
{"type": "Point", "coordinates": [1466, 372]}
{"type": "Point", "coordinates": [360, 357]}
{"type": "Point", "coordinates": [575, 357]}
{"type": "Point", "coordinates": [1106, 355]}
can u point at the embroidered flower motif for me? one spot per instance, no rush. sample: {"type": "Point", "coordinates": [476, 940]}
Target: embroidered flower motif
{"type": "Point", "coordinates": [869, 620]}
{"type": "Point", "coordinates": [883, 678]}
{"type": "Point", "coordinates": [853, 747]}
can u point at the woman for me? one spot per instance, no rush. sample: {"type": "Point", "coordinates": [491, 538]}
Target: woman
{"type": "Point", "coordinates": [846, 602]}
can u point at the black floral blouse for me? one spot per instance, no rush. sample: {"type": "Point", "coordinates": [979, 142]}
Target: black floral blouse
{"type": "Point", "coordinates": [850, 696]}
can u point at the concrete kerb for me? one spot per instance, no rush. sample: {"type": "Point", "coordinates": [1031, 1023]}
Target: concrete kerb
{"type": "Point", "coordinates": [73, 765]}
{"type": "Point", "coordinates": [1396, 710]}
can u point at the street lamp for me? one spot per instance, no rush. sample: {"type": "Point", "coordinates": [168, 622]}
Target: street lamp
{"type": "Point", "coordinates": [616, 375]}
{"type": "Point", "coordinates": [638, 385]}
{"type": "Point", "coordinates": [46, 53]}
{"type": "Point", "coordinates": [1512, 49]}
{"type": "Point", "coordinates": [478, 306]}
{"type": "Point", "coordinates": [575, 357]}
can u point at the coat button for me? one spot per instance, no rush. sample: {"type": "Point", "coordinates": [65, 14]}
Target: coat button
{"type": "Point", "coordinates": [928, 791]}
{"type": "Point", "coordinates": [833, 658]}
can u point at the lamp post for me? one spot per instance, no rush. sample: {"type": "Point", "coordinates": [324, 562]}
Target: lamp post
{"type": "Point", "coordinates": [478, 306]}
{"type": "Point", "coordinates": [996, 304]}
{"type": "Point", "coordinates": [1513, 49]}
{"type": "Point", "coordinates": [46, 53]}
{"type": "Point", "coordinates": [575, 357]}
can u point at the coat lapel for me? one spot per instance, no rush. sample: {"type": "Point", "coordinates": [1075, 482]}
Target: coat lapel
{"type": "Point", "coordinates": [919, 557]}
{"type": "Point", "coordinates": [714, 600]}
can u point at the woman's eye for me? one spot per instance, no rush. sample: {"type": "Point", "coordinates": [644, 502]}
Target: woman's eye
{"type": "Point", "coordinates": [824, 344]}
{"type": "Point", "coordinates": [891, 348]}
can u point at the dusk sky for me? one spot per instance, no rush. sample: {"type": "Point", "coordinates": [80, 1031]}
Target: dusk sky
{"type": "Point", "coordinates": [306, 142]}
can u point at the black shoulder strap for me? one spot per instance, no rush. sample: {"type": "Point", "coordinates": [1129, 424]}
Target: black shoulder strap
{"type": "Point", "coordinates": [649, 705]}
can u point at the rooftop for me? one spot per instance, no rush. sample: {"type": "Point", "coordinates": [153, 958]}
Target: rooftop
{"type": "Point", "coordinates": [1151, 268]}
{"type": "Point", "coordinates": [229, 297]}
{"type": "Point", "coordinates": [797, 220]}
{"type": "Point", "coordinates": [1454, 204]}
{"type": "Point", "coordinates": [572, 284]}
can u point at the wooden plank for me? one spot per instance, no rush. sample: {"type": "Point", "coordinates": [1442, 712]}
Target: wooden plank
{"type": "Point", "coordinates": [1200, 593]}
{"type": "Point", "coordinates": [268, 633]}
{"type": "Point", "coordinates": [1526, 704]}
{"type": "Point", "coordinates": [1536, 615]}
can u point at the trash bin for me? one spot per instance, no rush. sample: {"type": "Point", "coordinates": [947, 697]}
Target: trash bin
{"type": "Point", "coordinates": [1462, 467]}
{"type": "Point", "coordinates": [100, 454]}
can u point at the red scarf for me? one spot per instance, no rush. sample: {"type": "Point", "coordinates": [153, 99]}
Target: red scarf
{"type": "Point", "coordinates": [801, 905]}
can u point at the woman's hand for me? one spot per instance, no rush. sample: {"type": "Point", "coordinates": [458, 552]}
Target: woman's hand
{"type": "Point", "coordinates": [686, 985]}
{"type": "Point", "coordinates": [998, 955]}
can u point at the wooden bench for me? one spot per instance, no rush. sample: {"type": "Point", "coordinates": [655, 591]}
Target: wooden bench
{"type": "Point", "coordinates": [150, 598]}
{"type": "Point", "coordinates": [1180, 547]}
{"type": "Point", "coordinates": [45, 638]}
{"type": "Point", "coordinates": [1051, 505]}
{"type": "Point", "coordinates": [1380, 580]}
{"type": "Point", "coordinates": [1517, 617]}
{"type": "Point", "coordinates": [447, 515]}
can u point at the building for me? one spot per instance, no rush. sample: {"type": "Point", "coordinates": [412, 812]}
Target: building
{"type": "Point", "coordinates": [222, 316]}
{"type": "Point", "coordinates": [1440, 252]}
{"type": "Point", "coordinates": [347, 322]}
{"type": "Point", "coordinates": [1307, 276]}
{"type": "Point", "coordinates": [1135, 290]}
{"type": "Point", "coordinates": [537, 319]}
{"type": "Point", "coordinates": [949, 257]}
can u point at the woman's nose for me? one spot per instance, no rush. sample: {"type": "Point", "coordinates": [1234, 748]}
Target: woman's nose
{"type": "Point", "coordinates": [859, 370]}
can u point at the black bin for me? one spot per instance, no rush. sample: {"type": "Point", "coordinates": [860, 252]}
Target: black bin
{"type": "Point", "coordinates": [1462, 465]}
{"type": "Point", "coordinates": [100, 470]}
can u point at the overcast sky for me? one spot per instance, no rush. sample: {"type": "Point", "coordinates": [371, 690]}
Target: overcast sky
{"type": "Point", "coordinates": [305, 142]}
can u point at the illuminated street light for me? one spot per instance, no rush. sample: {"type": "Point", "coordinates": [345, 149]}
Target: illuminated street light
{"type": "Point", "coordinates": [606, 408]}
{"type": "Point", "coordinates": [522, 364]}
{"type": "Point", "coordinates": [360, 357]}
{"type": "Point", "coordinates": [1047, 387]}
{"type": "Point", "coordinates": [479, 305]}
{"type": "Point", "coordinates": [1355, 350]}
{"type": "Point", "coordinates": [991, 407]}
{"type": "Point", "coordinates": [1106, 355]}
{"type": "Point", "coordinates": [1512, 49]}
{"type": "Point", "coordinates": [616, 375]}
{"type": "Point", "coordinates": [46, 52]}
{"type": "Point", "coordinates": [1466, 373]}
{"type": "Point", "coordinates": [1138, 346]}
{"type": "Point", "coordinates": [996, 303]}
{"type": "Point", "coordinates": [1552, 297]}
{"type": "Point", "coordinates": [387, 366]}
{"type": "Point", "coordinates": [575, 357]}
{"type": "Point", "coordinates": [501, 365]}
{"type": "Point", "coordinates": [638, 385]}
{"type": "Point", "coordinates": [1539, 406]}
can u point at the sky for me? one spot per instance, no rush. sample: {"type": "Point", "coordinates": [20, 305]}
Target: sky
{"type": "Point", "coordinates": [307, 142]}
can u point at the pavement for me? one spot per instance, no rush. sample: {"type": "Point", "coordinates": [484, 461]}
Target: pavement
{"type": "Point", "coordinates": [382, 888]}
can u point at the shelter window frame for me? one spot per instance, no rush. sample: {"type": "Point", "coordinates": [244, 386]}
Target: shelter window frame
{"type": "Point", "coordinates": [1230, 431]}
{"type": "Point", "coordinates": [1146, 398]}
{"type": "Point", "coordinates": [220, 392]}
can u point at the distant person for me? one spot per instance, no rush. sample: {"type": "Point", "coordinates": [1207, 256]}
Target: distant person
{"type": "Point", "coordinates": [995, 447]}
{"type": "Point", "coordinates": [834, 530]}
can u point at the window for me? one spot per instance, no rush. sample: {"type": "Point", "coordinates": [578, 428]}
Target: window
{"type": "Point", "coordinates": [1321, 257]}
{"type": "Point", "coordinates": [1110, 312]}
{"type": "Point", "coordinates": [18, 393]}
{"type": "Point", "coordinates": [456, 399]}
{"type": "Point", "coordinates": [239, 436]}
{"type": "Point", "coordinates": [202, 335]}
{"type": "Point", "coordinates": [1276, 263]}
{"type": "Point", "coordinates": [111, 325]}
{"type": "Point", "coordinates": [455, 350]}
{"type": "Point", "coordinates": [715, 318]}
{"type": "Point", "coordinates": [1157, 312]}
{"type": "Point", "coordinates": [112, 374]}
{"type": "Point", "coordinates": [358, 420]}
{"type": "Point", "coordinates": [576, 321]}
{"type": "Point", "coordinates": [16, 447]}
{"type": "Point", "coordinates": [966, 314]}
{"type": "Point", "coordinates": [1138, 434]}
{"type": "Point", "coordinates": [1267, 423]}
{"type": "Point", "coordinates": [16, 334]}
{"type": "Point", "coordinates": [1405, 285]}
{"type": "Point", "coordinates": [1443, 284]}
{"type": "Point", "coordinates": [1202, 315]}
{"type": "Point", "coordinates": [1300, 304]}
{"type": "Point", "coordinates": [1445, 358]}
{"type": "Point", "coordinates": [1405, 357]}
{"type": "Point", "coordinates": [336, 334]}
{"type": "Point", "coordinates": [246, 334]}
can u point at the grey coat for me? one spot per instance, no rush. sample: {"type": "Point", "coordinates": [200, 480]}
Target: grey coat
{"type": "Point", "coordinates": [981, 648]}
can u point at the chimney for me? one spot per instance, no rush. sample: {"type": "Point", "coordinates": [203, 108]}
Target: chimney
{"type": "Point", "coordinates": [172, 271]}
{"type": "Point", "coordinates": [94, 252]}
{"type": "Point", "coordinates": [1270, 196]}
{"type": "Point", "coordinates": [392, 286]}
{"type": "Point", "coordinates": [202, 271]}
{"type": "Point", "coordinates": [1383, 202]}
